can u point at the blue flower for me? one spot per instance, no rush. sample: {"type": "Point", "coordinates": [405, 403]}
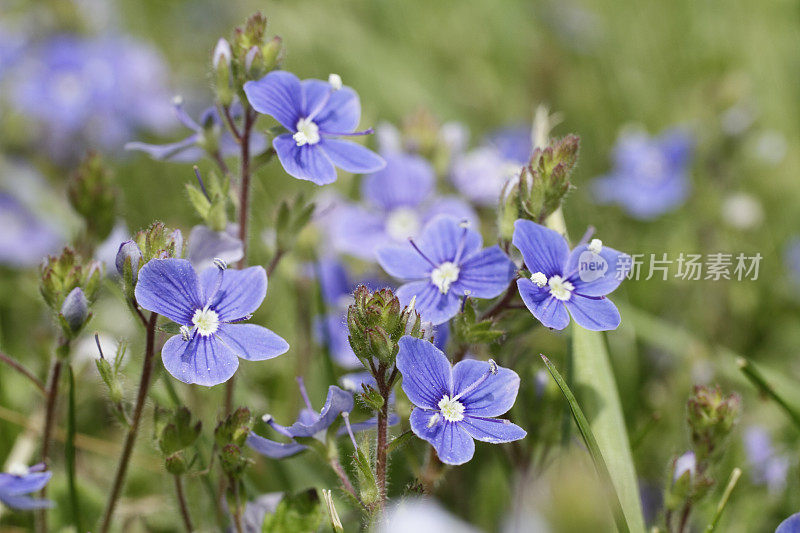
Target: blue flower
{"type": "Point", "coordinates": [446, 264]}
{"type": "Point", "coordinates": [309, 424]}
{"type": "Point", "coordinates": [790, 525]}
{"type": "Point", "coordinates": [456, 404]}
{"type": "Point", "coordinates": [209, 309]}
{"type": "Point", "coordinates": [767, 467]}
{"type": "Point", "coordinates": [650, 175]}
{"type": "Point", "coordinates": [14, 488]}
{"type": "Point", "coordinates": [315, 113]}
{"type": "Point", "coordinates": [399, 200]}
{"type": "Point", "coordinates": [561, 280]}
{"type": "Point", "coordinates": [191, 149]}
{"type": "Point", "coordinates": [25, 239]}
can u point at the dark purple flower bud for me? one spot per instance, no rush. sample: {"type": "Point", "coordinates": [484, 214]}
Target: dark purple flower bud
{"type": "Point", "coordinates": [128, 250]}
{"type": "Point", "coordinates": [75, 309]}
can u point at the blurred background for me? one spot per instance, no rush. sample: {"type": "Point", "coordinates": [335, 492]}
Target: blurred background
{"type": "Point", "coordinates": [725, 74]}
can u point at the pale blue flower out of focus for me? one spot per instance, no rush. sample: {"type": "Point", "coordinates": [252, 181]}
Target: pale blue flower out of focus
{"type": "Point", "coordinates": [191, 149]}
{"type": "Point", "coordinates": [315, 113]}
{"type": "Point", "coordinates": [209, 309]}
{"type": "Point", "coordinates": [24, 239]}
{"type": "Point", "coordinates": [767, 466]}
{"type": "Point", "coordinates": [445, 265]}
{"type": "Point", "coordinates": [205, 245]}
{"type": "Point", "coordinates": [563, 281]}
{"type": "Point", "coordinates": [397, 202]}
{"type": "Point", "coordinates": [456, 404]}
{"type": "Point", "coordinates": [15, 487]}
{"type": "Point", "coordinates": [650, 175]}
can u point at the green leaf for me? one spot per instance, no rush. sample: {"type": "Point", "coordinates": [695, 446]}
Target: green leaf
{"type": "Point", "coordinates": [593, 378]}
{"type": "Point", "coordinates": [594, 449]}
{"type": "Point", "coordinates": [299, 513]}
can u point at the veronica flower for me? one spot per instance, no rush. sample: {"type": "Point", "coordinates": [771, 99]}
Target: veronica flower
{"type": "Point", "coordinates": [562, 281]}
{"type": "Point", "coordinates": [14, 487]}
{"type": "Point", "coordinates": [446, 264]}
{"type": "Point", "coordinates": [205, 245]}
{"type": "Point", "coordinates": [315, 113]}
{"type": "Point", "coordinates": [456, 404]}
{"type": "Point", "coordinates": [650, 175]}
{"type": "Point", "coordinates": [767, 467]}
{"type": "Point", "coordinates": [192, 148]}
{"type": "Point", "coordinates": [24, 239]}
{"type": "Point", "coordinates": [310, 423]}
{"type": "Point", "coordinates": [209, 309]}
{"type": "Point", "coordinates": [398, 201]}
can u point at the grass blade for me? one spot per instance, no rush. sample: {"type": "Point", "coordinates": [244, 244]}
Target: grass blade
{"type": "Point", "coordinates": [591, 444]}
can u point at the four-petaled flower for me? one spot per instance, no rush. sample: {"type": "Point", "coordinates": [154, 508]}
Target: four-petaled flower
{"type": "Point", "coordinates": [578, 281]}
{"type": "Point", "coordinates": [14, 487]}
{"type": "Point", "coordinates": [209, 308]}
{"type": "Point", "coordinates": [456, 404]}
{"type": "Point", "coordinates": [447, 263]}
{"type": "Point", "coordinates": [315, 113]}
{"type": "Point", "coordinates": [397, 202]}
{"type": "Point", "coordinates": [650, 174]}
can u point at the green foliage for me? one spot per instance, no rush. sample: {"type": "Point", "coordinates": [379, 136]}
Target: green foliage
{"type": "Point", "coordinates": [296, 513]}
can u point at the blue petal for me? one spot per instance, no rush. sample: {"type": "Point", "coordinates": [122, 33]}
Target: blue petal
{"type": "Point", "coordinates": [272, 449]}
{"type": "Point", "coordinates": [352, 157]}
{"type": "Point", "coordinates": [406, 181]}
{"type": "Point", "coordinates": [205, 245]}
{"type": "Point", "coordinates": [494, 430]}
{"type": "Point", "coordinates": [403, 262]}
{"type": "Point", "coordinates": [443, 237]}
{"type": "Point", "coordinates": [595, 314]}
{"type": "Point", "coordinates": [333, 280]}
{"type": "Point", "coordinates": [25, 503]}
{"type": "Point", "coordinates": [308, 162]}
{"type": "Point", "coordinates": [493, 397]}
{"type": "Point", "coordinates": [337, 402]}
{"type": "Point", "coordinates": [240, 293]}
{"type": "Point", "coordinates": [487, 273]}
{"type": "Point", "coordinates": [185, 151]}
{"type": "Point", "coordinates": [203, 360]}
{"type": "Point", "coordinates": [431, 304]}
{"type": "Point", "coordinates": [332, 331]}
{"type": "Point", "coordinates": [453, 445]}
{"type": "Point", "coordinates": [790, 525]}
{"type": "Point", "coordinates": [549, 311]}
{"type": "Point", "coordinates": [358, 232]}
{"type": "Point", "coordinates": [427, 376]}
{"type": "Point", "coordinates": [340, 114]}
{"type": "Point", "coordinates": [279, 95]}
{"type": "Point", "coordinates": [16, 485]}
{"type": "Point", "coordinates": [543, 249]}
{"type": "Point", "coordinates": [252, 342]}
{"type": "Point", "coordinates": [597, 274]}
{"type": "Point", "coordinates": [454, 208]}
{"type": "Point", "coordinates": [170, 288]}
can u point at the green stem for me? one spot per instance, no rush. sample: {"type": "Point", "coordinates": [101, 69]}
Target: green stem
{"type": "Point", "coordinates": [47, 431]}
{"type": "Point", "coordinates": [758, 379]}
{"type": "Point", "coordinates": [69, 451]}
{"type": "Point", "coordinates": [130, 440]}
{"type": "Point", "coordinates": [723, 502]}
{"type": "Point", "coordinates": [19, 367]}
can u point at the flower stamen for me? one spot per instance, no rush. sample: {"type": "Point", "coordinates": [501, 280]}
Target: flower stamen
{"type": "Point", "coordinates": [445, 275]}
{"type": "Point", "coordinates": [307, 132]}
{"type": "Point", "coordinates": [452, 410]}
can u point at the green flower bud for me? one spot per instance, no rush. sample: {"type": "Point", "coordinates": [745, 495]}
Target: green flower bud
{"type": "Point", "coordinates": [159, 242]}
{"type": "Point", "coordinates": [234, 429]}
{"type": "Point", "coordinates": [176, 464]}
{"type": "Point", "coordinates": [92, 195]}
{"type": "Point", "coordinates": [60, 275]}
{"type": "Point", "coordinates": [711, 416]}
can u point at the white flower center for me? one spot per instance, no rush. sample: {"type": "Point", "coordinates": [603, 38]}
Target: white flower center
{"type": "Point", "coordinates": [539, 279]}
{"type": "Point", "coordinates": [402, 223]}
{"type": "Point", "coordinates": [206, 321]}
{"type": "Point", "coordinates": [560, 288]}
{"type": "Point", "coordinates": [444, 275]}
{"type": "Point", "coordinates": [452, 410]}
{"type": "Point", "coordinates": [307, 132]}
{"type": "Point", "coordinates": [596, 246]}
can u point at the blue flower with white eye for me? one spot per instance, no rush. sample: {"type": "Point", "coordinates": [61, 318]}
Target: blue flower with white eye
{"type": "Point", "coordinates": [315, 113]}
{"type": "Point", "coordinates": [563, 281]}
{"type": "Point", "coordinates": [209, 309]}
{"type": "Point", "coordinates": [15, 487]}
{"type": "Point", "coordinates": [444, 265]}
{"type": "Point", "coordinates": [397, 202]}
{"type": "Point", "coordinates": [190, 149]}
{"type": "Point", "coordinates": [650, 175]}
{"type": "Point", "coordinates": [456, 404]}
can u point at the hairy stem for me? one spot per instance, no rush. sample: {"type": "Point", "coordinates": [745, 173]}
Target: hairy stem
{"type": "Point", "coordinates": [130, 440]}
{"type": "Point", "coordinates": [381, 459]}
{"type": "Point", "coordinates": [47, 431]}
{"type": "Point", "coordinates": [19, 367]}
{"type": "Point", "coordinates": [187, 519]}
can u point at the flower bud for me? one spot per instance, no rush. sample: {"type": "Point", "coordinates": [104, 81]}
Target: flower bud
{"type": "Point", "coordinates": [61, 274]}
{"type": "Point", "coordinates": [711, 416]}
{"type": "Point", "coordinates": [232, 460]}
{"type": "Point", "coordinates": [544, 182]}
{"type": "Point", "coordinates": [221, 62]}
{"type": "Point", "coordinates": [272, 53]}
{"type": "Point", "coordinates": [234, 429]}
{"type": "Point", "coordinates": [129, 256]}
{"type": "Point", "coordinates": [176, 464]}
{"type": "Point", "coordinates": [222, 54]}
{"type": "Point", "coordinates": [158, 242]}
{"type": "Point", "coordinates": [92, 195]}
{"type": "Point", "coordinates": [75, 311]}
